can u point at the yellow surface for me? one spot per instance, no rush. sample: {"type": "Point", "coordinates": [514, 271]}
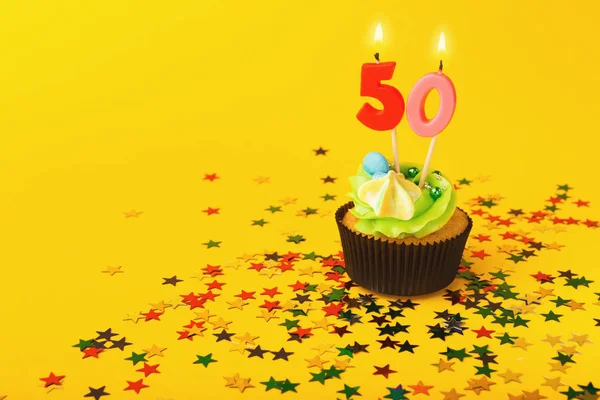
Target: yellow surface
{"type": "Point", "coordinates": [118, 105]}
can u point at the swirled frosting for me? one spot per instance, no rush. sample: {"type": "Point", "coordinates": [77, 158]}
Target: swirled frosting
{"type": "Point", "coordinates": [395, 207]}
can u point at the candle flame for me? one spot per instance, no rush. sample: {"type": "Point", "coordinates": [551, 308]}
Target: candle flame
{"type": "Point", "coordinates": [442, 43]}
{"type": "Point", "coordinates": [378, 34]}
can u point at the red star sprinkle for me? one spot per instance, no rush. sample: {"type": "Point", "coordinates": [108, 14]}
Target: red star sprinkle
{"type": "Point", "coordinates": [508, 235]}
{"type": "Point", "coordinates": [328, 263]}
{"type": "Point", "coordinates": [149, 369]}
{"type": "Point", "coordinates": [526, 240]}
{"type": "Point", "coordinates": [185, 335]}
{"type": "Point", "coordinates": [540, 277]}
{"type": "Point", "coordinates": [270, 292]}
{"type": "Point", "coordinates": [554, 200]}
{"type": "Point", "coordinates": [480, 254]}
{"type": "Point", "coordinates": [209, 295]}
{"type": "Point", "coordinates": [571, 221]}
{"type": "Point", "coordinates": [490, 287]}
{"type": "Point", "coordinates": [477, 212]}
{"type": "Point", "coordinates": [301, 332]}
{"type": "Point", "coordinates": [385, 371]}
{"type": "Point", "coordinates": [581, 203]}
{"type": "Point", "coordinates": [210, 177]}
{"type": "Point", "coordinates": [215, 285]}
{"type": "Point", "coordinates": [285, 266]}
{"type": "Point", "coordinates": [298, 286]}
{"type": "Point", "coordinates": [246, 295]}
{"type": "Point", "coordinates": [483, 238]}
{"type": "Point", "coordinates": [539, 214]}
{"type": "Point", "coordinates": [492, 218]}
{"type": "Point", "coordinates": [258, 267]}
{"type": "Point", "coordinates": [505, 222]}
{"type": "Point", "coordinates": [270, 305]}
{"type": "Point", "coordinates": [557, 221]}
{"type": "Point", "coordinates": [333, 309]}
{"type": "Point", "coordinates": [340, 254]}
{"type": "Point", "coordinates": [212, 270]}
{"type": "Point", "coordinates": [52, 380]}
{"type": "Point", "coordinates": [290, 256]}
{"type": "Point", "coordinates": [150, 315]}
{"type": "Point", "coordinates": [420, 388]}
{"type": "Point", "coordinates": [534, 220]}
{"type": "Point", "coordinates": [590, 224]}
{"type": "Point", "coordinates": [92, 352]}
{"type": "Point", "coordinates": [482, 332]}
{"type": "Point", "coordinates": [136, 386]}
{"type": "Point", "coordinates": [211, 211]}
{"type": "Point", "coordinates": [333, 276]}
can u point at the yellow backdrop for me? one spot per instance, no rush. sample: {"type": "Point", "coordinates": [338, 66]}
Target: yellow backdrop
{"type": "Point", "coordinates": [113, 106]}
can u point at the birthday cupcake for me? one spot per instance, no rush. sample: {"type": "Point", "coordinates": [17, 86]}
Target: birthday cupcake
{"type": "Point", "coordinates": [401, 237]}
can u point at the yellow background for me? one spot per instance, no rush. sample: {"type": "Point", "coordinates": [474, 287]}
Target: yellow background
{"type": "Point", "coordinates": [113, 105]}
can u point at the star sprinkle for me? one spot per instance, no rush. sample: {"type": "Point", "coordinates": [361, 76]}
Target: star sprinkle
{"type": "Point", "coordinates": [136, 386]}
{"type": "Point", "coordinates": [132, 214]}
{"type": "Point", "coordinates": [95, 393]}
{"type": "Point", "coordinates": [204, 360]}
{"type": "Point", "coordinates": [52, 379]}
{"type": "Point", "coordinates": [113, 270]}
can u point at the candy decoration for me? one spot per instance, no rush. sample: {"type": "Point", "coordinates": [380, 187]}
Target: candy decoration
{"type": "Point", "coordinates": [435, 193]}
{"type": "Point", "coordinates": [375, 162]}
{"type": "Point", "coordinates": [412, 172]}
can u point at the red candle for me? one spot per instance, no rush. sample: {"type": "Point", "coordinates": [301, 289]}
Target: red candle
{"type": "Point", "coordinates": [390, 115]}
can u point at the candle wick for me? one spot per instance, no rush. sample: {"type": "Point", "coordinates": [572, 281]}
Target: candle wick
{"type": "Point", "coordinates": [376, 55]}
{"type": "Point", "coordinates": [441, 68]}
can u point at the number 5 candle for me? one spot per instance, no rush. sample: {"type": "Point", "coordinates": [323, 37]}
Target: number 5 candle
{"type": "Point", "coordinates": [415, 110]}
{"type": "Point", "coordinates": [391, 99]}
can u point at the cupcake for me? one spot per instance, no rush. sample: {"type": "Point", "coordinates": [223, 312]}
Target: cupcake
{"type": "Point", "coordinates": [398, 238]}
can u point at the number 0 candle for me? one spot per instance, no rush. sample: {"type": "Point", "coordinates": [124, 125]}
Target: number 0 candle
{"type": "Point", "coordinates": [415, 110]}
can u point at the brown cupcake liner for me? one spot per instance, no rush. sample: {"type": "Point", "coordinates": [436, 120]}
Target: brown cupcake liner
{"type": "Point", "coordinates": [397, 268]}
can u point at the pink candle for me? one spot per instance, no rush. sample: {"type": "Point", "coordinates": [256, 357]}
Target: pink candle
{"type": "Point", "coordinates": [415, 108]}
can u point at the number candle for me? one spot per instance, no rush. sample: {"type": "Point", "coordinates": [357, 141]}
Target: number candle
{"type": "Point", "coordinates": [415, 110]}
{"type": "Point", "coordinates": [391, 99]}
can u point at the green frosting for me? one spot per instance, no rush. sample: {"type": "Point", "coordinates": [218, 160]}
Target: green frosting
{"type": "Point", "coordinates": [430, 215]}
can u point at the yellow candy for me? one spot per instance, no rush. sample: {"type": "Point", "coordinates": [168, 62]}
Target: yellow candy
{"type": "Point", "coordinates": [391, 196]}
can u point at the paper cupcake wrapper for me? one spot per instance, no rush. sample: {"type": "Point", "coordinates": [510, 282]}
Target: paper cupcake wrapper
{"type": "Point", "coordinates": [397, 268]}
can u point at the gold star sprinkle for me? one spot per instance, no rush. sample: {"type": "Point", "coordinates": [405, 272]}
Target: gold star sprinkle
{"type": "Point", "coordinates": [554, 383]}
{"type": "Point", "coordinates": [238, 304]}
{"type": "Point", "coordinates": [247, 338]}
{"type": "Point", "coordinates": [542, 228]}
{"type": "Point", "coordinates": [543, 292]}
{"type": "Point", "coordinates": [324, 348]}
{"type": "Point", "coordinates": [288, 200]}
{"type": "Point", "coordinates": [323, 324]}
{"type": "Point", "coordinates": [220, 323]}
{"type": "Point", "coordinates": [342, 364]}
{"type": "Point", "coordinates": [575, 305]}
{"type": "Point", "coordinates": [315, 362]}
{"type": "Point", "coordinates": [557, 366]}
{"type": "Point", "coordinates": [160, 306]}
{"type": "Point", "coordinates": [240, 347]}
{"type": "Point", "coordinates": [133, 317]}
{"type": "Point", "coordinates": [443, 365]}
{"type": "Point", "coordinates": [554, 246]}
{"type": "Point", "coordinates": [516, 396]}
{"type": "Point", "coordinates": [452, 395]}
{"type": "Point", "coordinates": [154, 351]}
{"type": "Point", "coordinates": [510, 376]}
{"type": "Point", "coordinates": [308, 271]}
{"type": "Point", "coordinates": [580, 339]}
{"type": "Point", "coordinates": [568, 350]}
{"type": "Point", "coordinates": [261, 179]}
{"type": "Point", "coordinates": [521, 343]}
{"type": "Point", "coordinates": [483, 179]}
{"type": "Point", "coordinates": [132, 214]}
{"type": "Point", "coordinates": [535, 395]}
{"type": "Point", "coordinates": [269, 272]}
{"type": "Point", "coordinates": [267, 315]}
{"type": "Point", "coordinates": [553, 340]}
{"type": "Point", "coordinates": [507, 248]}
{"type": "Point", "coordinates": [113, 270]}
{"type": "Point", "coordinates": [204, 315]}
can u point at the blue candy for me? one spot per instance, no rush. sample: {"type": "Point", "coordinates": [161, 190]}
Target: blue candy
{"type": "Point", "coordinates": [378, 175]}
{"type": "Point", "coordinates": [375, 162]}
